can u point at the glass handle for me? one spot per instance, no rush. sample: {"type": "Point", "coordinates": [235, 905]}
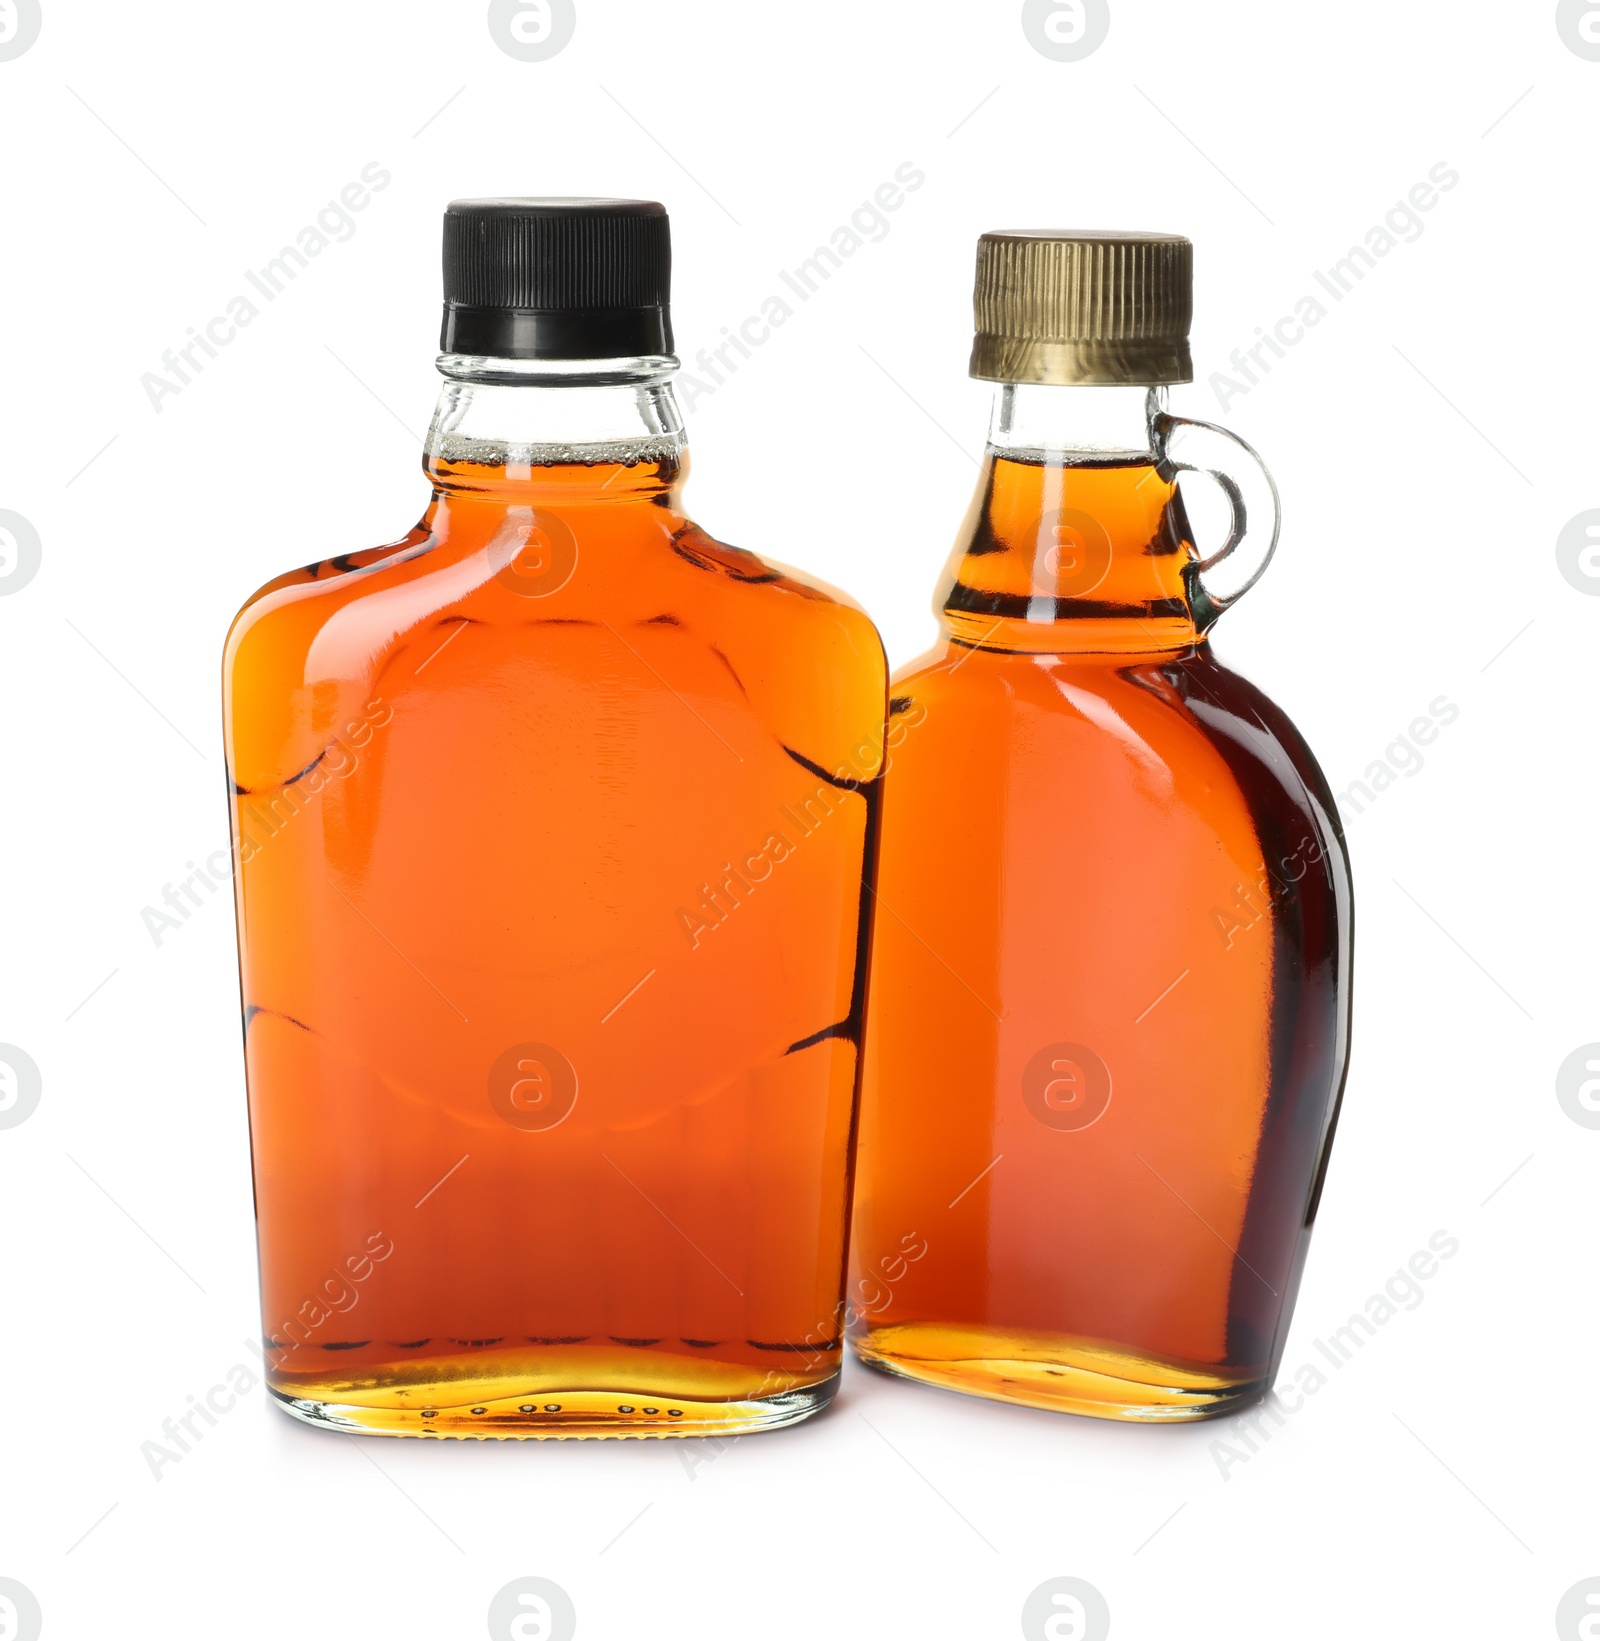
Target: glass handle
{"type": "Point", "coordinates": [1201, 447]}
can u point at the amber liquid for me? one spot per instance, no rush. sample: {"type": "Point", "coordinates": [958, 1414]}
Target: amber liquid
{"type": "Point", "coordinates": [1108, 1017]}
{"type": "Point", "coordinates": [555, 823]}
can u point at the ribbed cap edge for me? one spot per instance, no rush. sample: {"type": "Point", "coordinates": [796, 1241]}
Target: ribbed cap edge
{"type": "Point", "coordinates": [1083, 307]}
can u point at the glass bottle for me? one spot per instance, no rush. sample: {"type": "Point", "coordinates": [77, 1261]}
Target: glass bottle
{"type": "Point", "coordinates": [1110, 989]}
{"type": "Point", "coordinates": [554, 823]}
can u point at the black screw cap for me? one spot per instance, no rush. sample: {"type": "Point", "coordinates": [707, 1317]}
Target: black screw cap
{"type": "Point", "coordinates": [557, 278]}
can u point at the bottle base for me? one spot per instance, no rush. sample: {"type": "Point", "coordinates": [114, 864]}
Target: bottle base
{"type": "Point", "coordinates": [556, 1415]}
{"type": "Point", "coordinates": [1054, 1373]}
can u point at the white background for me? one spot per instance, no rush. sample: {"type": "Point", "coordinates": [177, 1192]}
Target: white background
{"type": "Point", "coordinates": [1431, 438]}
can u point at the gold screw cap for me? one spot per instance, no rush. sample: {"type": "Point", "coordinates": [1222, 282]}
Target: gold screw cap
{"type": "Point", "coordinates": [1093, 307]}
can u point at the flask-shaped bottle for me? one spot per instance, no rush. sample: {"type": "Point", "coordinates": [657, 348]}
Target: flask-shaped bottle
{"type": "Point", "coordinates": [554, 821]}
{"type": "Point", "coordinates": [1110, 989]}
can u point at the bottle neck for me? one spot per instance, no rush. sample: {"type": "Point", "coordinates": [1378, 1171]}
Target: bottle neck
{"type": "Point", "coordinates": [1074, 425]}
{"type": "Point", "coordinates": [1077, 539]}
{"type": "Point", "coordinates": [597, 429]}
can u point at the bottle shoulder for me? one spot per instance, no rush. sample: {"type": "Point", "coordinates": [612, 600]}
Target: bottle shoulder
{"type": "Point", "coordinates": [309, 595]}
{"type": "Point", "coordinates": [633, 597]}
{"type": "Point", "coordinates": [675, 561]}
{"type": "Point", "coordinates": [1186, 723]}
{"type": "Point", "coordinates": [780, 593]}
